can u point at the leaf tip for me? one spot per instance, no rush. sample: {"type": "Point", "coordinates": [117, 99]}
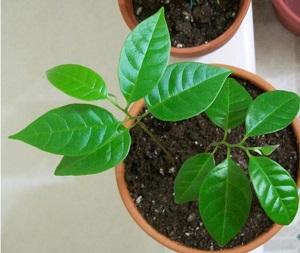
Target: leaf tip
{"type": "Point", "coordinates": [59, 172]}
{"type": "Point", "coordinates": [14, 137]}
{"type": "Point", "coordinates": [177, 200]}
{"type": "Point", "coordinates": [49, 73]}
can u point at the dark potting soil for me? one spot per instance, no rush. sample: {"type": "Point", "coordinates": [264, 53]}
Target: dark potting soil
{"type": "Point", "coordinates": [190, 27]}
{"type": "Point", "coordinates": [150, 175]}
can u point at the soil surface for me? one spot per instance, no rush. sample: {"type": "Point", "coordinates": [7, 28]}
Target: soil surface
{"type": "Point", "coordinates": [191, 26]}
{"type": "Point", "coordinates": [150, 175]}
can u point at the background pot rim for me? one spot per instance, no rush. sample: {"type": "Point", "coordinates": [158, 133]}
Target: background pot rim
{"type": "Point", "coordinates": [286, 16]}
{"type": "Point", "coordinates": [126, 9]}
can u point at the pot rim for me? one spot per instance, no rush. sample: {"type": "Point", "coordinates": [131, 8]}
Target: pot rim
{"type": "Point", "coordinates": [176, 246]}
{"type": "Point", "coordinates": [286, 16]}
{"type": "Point", "coordinates": [126, 9]}
{"type": "Point", "coordinates": [280, 4]}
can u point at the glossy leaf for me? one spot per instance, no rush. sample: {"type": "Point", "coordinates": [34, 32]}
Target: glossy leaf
{"type": "Point", "coordinates": [190, 177]}
{"type": "Point", "coordinates": [78, 81]}
{"type": "Point", "coordinates": [230, 107]}
{"type": "Point", "coordinates": [185, 90]}
{"type": "Point", "coordinates": [144, 57]}
{"type": "Point", "coordinates": [106, 157]}
{"type": "Point", "coordinates": [276, 190]}
{"type": "Point", "coordinates": [266, 150]}
{"type": "Point", "coordinates": [270, 112]}
{"type": "Point", "coordinates": [225, 201]}
{"type": "Point", "coordinates": [74, 129]}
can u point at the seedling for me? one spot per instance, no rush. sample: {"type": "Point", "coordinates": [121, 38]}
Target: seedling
{"type": "Point", "coordinates": [92, 140]}
{"type": "Point", "coordinates": [223, 190]}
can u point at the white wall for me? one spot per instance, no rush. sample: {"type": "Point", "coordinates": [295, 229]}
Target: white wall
{"type": "Point", "coordinates": [42, 213]}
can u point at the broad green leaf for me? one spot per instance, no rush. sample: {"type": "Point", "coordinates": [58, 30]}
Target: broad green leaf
{"type": "Point", "coordinates": [271, 111]}
{"type": "Point", "coordinates": [230, 107]}
{"type": "Point", "coordinates": [225, 201]}
{"type": "Point", "coordinates": [144, 57]}
{"type": "Point", "coordinates": [190, 177]}
{"type": "Point", "coordinates": [71, 130]}
{"type": "Point", "coordinates": [276, 190]}
{"type": "Point", "coordinates": [106, 157]}
{"type": "Point", "coordinates": [78, 81]}
{"type": "Point", "coordinates": [185, 90]}
{"type": "Point", "coordinates": [266, 150]}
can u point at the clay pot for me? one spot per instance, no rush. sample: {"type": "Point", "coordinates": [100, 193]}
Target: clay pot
{"type": "Point", "coordinates": [126, 8]}
{"type": "Point", "coordinates": [133, 211]}
{"type": "Point", "coordinates": [288, 13]}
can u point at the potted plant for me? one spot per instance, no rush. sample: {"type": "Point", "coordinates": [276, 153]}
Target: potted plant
{"type": "Point", "coordinates": [288, 13]}
{"type": "Point", "coordinates": [196, 27]}
{"type": "Point", "coordinates": [92, 140]}
{"type": "Point", "coordinates": [132, 199]}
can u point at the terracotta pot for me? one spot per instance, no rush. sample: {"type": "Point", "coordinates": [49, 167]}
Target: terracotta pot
{"type": "Point", "coordinates": [133, 211]}
{"type": "Point", "coordinates": [126, 8]}
{"type": "Point", "coordinates": [288, 13]}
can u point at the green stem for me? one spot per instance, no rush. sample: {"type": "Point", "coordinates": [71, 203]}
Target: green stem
{"type": "Point", "coordinates": [230, 146]}
{"type": "Point", "coordinates": [156, 141]}
{"type": "Point", "coordinates": [192, 3]}
{"type": "Point", "coordinates": [143, 115]}
{"type": "Point", "coordinates": [228, 151]}
{"type": "Point", "coordinates": [127, 107]}
{"type": "Point", "coordinates": [214, 151]}
{"type": "Point", "coordinates": [225, 135]}
{"type": "Point", "coordinates": [113, 100]}
{"type": "Point", "coordinates": [213, 144]}
{"type": "Point", "coordinates": [217, 144]}
{"type": "Point", "coordinates": [248, 152]}
{"type": "Point", "coordinates": [243, 140]}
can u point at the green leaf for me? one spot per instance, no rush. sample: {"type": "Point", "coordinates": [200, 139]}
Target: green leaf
{"type": "Point", "coordinates": [185, 90]}
{"type": "Point", "coordinates": [276, 190]}
{"type": "Point", "coordinates": [190, 177]}
{"type": "Point", "coordinates": [266, 150]}
{"type": "Point", "coordinates": [144, 57]}
{"type": "Point", "coordinates": [230, 107]}
{"type": "Point", "coordinates": [270, 112]}
{"type": "Point", "coordinates": [225, 201]}
{"type": "Point", "coordinates": [78, 81]}
{"type": "Point", "coordinates": [106, 157]}
{"type": "Point", "coordinates": [71, 130]}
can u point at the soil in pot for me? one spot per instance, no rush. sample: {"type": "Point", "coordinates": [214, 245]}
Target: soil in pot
{"type": "Point", "coordinates": [189, 27]}
{"type": "Point", "coordinates": [150, 176]}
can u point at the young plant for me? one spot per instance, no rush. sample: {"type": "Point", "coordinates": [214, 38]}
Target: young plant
{"type": "Point", "coordinates": [89, 137]}
{"type": "Point", "coordinates": [92, 140]}
{"type": "Point", "coordinates": [223, 190]}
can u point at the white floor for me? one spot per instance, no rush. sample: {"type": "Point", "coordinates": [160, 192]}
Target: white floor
{"type": "Point", "coordinates": [44, 213]}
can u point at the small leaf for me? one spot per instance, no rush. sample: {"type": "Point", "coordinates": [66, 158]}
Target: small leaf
{"type": "Point", "coordinates": [225, 201]}
{"type": "Point", "coordinates": [276, 190]}
{"type": "Point", "coordinates": [144, 57]}
{"type": "Point", "coordinates": [270, 112]}
{"type": "Point", "coordinates": [185, 90]}
{"type": "Point", "coordinates": [257, 150]}
{"type": "Point", "coordinates": [190, 177]}
{"type": "Point", "coordinates": [106, 157]}
{"type": "Point", "coordinates": [230, 107]}
{"type": "Point", "coordinates": [266, 150]}
{"type": "Point", "coordinates": [78, 81]}
{"type": "Point", "coordinates": [70, 130]}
